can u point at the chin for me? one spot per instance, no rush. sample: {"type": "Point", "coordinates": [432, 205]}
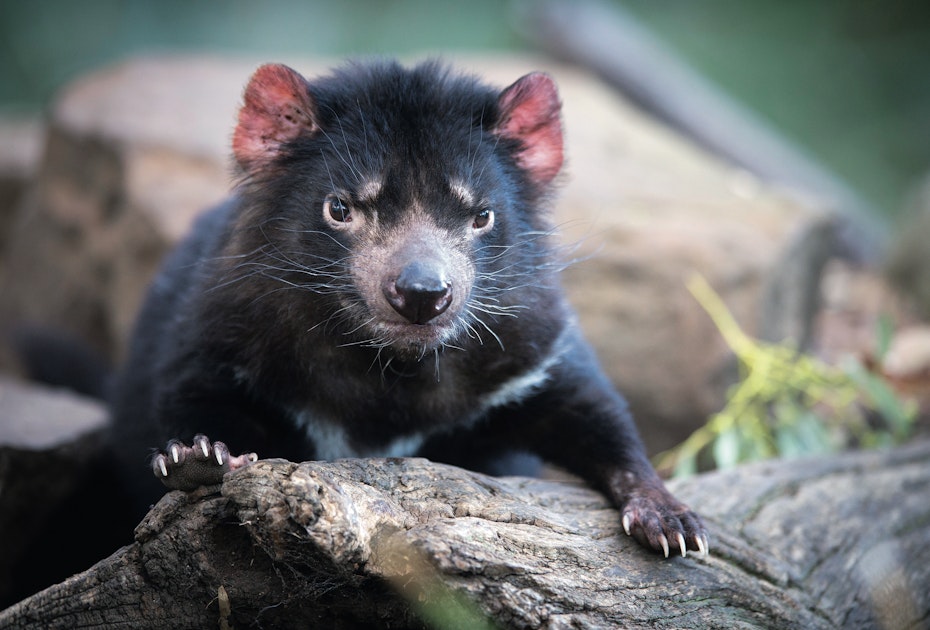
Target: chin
{"type": "Point", "coordinates": [413, 341]}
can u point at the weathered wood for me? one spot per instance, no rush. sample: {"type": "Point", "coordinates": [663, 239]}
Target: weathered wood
{"type": "Point", "coordinates": [48, 439]}
{"type": "Point", "coordinates": [843, 542]}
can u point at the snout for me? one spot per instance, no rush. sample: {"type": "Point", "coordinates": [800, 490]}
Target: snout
{"type": "Point", "coordinates": [420, 292]}
{"type": "Point", "coordinates": [415, 280]}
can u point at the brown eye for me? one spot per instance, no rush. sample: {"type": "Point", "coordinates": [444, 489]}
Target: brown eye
{"type": "Point", "coordinates": [337, 209]}
{"type": "Point", "coordinates": [483, 220]}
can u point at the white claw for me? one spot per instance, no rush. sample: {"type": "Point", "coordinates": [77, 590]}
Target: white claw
{"type": "Point", "coordinates": [702, 546]}
{"type": "Point", "coordinates": [706, 545]}
{"type": "Point", "coordinates": [681, 544]}
{"type": "Point", "coordinates": [626, 524]}
{"type": "Point", "coordinates": [175, 453]}
{"type": "Point", "coordinates": [203, 447]}
{"type": "Point", "coordinates": [664, 542]}
{"type": "Point", "coordinates": [161, 467]}
{"type": "Point", "coordinates": [218, 454]}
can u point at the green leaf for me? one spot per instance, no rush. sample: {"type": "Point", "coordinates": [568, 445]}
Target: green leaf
{"type": "Point", "coordinates": [881, 398]}
{"type": "Point", "coordinates": [884, 332]}
{"type": "Point", "coordinates": [686, 466]}
{"type": "Point", "coordinates": [726, 448]}
{"type": "Point", "coordinates": [789, 443]}
{"type": "Point", "coordinates": [813, 434]}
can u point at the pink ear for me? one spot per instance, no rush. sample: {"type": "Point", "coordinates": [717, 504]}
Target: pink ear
{"type": "Point", "coordinates": [530, 113]}
{"type": "Point", "coordinates": [278, 108]}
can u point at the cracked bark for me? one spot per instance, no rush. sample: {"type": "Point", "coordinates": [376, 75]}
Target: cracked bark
{"type": "Point", "coordinates": [841, 542]}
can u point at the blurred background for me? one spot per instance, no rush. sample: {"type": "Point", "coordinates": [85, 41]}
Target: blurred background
{"type": "Point", "coordinates": [847, 80]}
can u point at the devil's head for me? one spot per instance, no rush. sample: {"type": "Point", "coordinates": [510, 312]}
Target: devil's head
{"type": "Point", "coordinates": [402, 206]}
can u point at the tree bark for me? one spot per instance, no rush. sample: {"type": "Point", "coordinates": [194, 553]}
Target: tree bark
{"type": "Point", "coordinates": [842, 542]}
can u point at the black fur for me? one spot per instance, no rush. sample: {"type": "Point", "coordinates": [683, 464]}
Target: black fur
{"type": "Point", "coordinates": [261, 325]}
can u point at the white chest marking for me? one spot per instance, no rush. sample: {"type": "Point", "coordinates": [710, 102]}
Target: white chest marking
{"type": "Point", "coordinates": [332, 442]}
{"type": "Point", "coordinates": [519, 387]}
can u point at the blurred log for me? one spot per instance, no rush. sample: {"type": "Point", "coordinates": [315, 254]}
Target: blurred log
{"type": "Point", "coordinates": [629, 57]}
{"type": "Point", "coordinates": [48, 441]}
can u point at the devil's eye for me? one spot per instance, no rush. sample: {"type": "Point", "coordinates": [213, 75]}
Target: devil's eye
{"type": "Point", "coordinates": [483, 220]}
{"type": "Point", "coordinates": [336, 209]}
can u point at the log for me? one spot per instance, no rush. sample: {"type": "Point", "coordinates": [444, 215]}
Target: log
{"type": "Point", "coordinates": [48, 441]}
{"type": "Point", "coordinates": [838, 542]}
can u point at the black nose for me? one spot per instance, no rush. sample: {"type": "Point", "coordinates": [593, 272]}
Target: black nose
{"type": "Point", "coordinates": [420, 293]}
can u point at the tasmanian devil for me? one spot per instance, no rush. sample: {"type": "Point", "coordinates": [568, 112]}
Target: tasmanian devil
{"type": "Point", "coordinates": [382, 283]}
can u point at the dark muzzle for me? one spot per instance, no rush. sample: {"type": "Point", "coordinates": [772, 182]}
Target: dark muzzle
{"type": "Point", "coordinates": [420, 293]}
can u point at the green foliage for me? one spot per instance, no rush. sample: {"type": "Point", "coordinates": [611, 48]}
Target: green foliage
{"type": "Point", "coordinates": [444, 609]}
{"type": "Point", "coordinates": [789, 404]}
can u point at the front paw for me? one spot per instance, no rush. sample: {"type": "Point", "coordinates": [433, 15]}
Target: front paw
{"type": "Point", "coordinates": [660, 522]}
{"type": "Point", "coordinates": [182, 467]}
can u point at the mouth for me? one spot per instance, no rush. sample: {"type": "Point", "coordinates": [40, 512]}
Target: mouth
{"type": "Point", "coordinates": [407, 338]}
